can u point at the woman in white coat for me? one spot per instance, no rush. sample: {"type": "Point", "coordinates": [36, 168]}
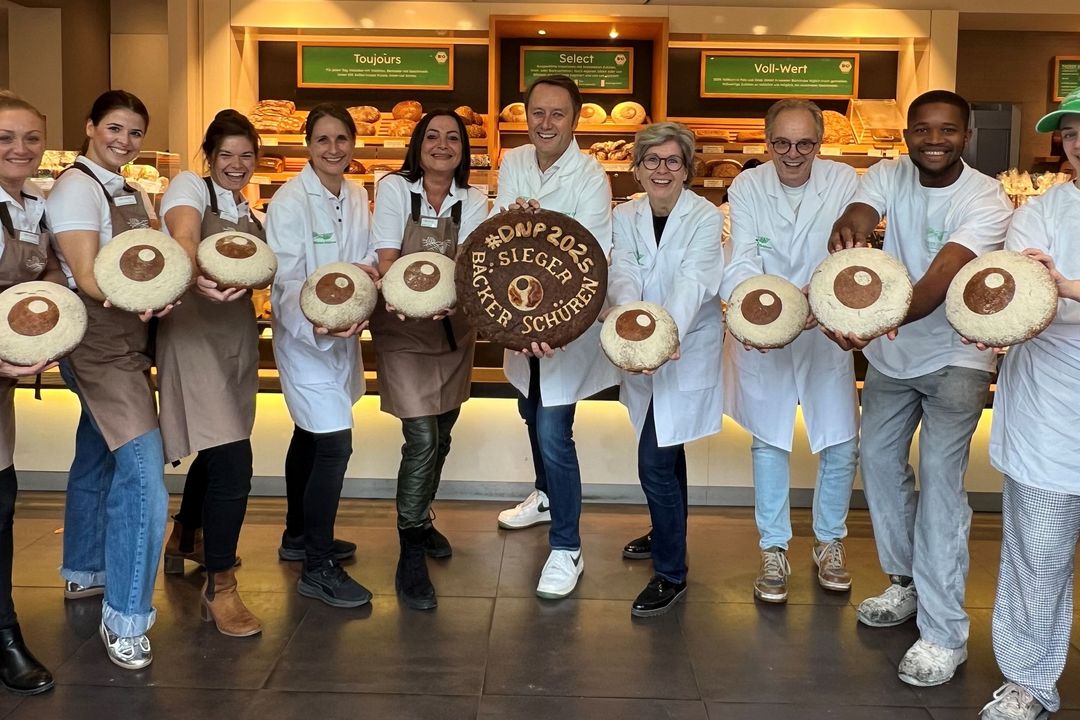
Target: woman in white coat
{"type": "Point", "coordinates": [666, 250]}
{"type": "Point", "coordinates": [317, 218]}
{"type": "Point", "coordinates": [781, 215]}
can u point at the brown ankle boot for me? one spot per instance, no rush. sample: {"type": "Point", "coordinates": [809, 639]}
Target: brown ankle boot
{"type": "Point", "coordinates": [222, 604]}
{"type": "Point", "coordinates": [175, 556]}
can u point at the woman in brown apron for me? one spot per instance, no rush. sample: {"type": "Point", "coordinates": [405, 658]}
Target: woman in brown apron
{"type": "Point", "coordinates": [424, 366]}
{"type": "Point", "coordinates": [207, 354]}
{"type": "Point", "coordinates": [25, 256]}
{"type": "Point", "coordinates": [114, 519]}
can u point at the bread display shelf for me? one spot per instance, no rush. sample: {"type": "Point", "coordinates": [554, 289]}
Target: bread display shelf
{"type": "Point", "coordinates": [582, 129]}
{"type": "Point", "coordinates": [286, 140]}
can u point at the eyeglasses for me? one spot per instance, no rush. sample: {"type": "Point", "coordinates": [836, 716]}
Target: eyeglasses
{"type": "Point", "coordinates": [674, 163]}
{"type": "Point", "coordinates": [803, 147]}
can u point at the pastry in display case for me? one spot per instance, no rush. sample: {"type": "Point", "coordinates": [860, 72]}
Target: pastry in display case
{"type": "Point", "coordinates": [837, 129]}
{"type": "Point", "coordinates": [876, 121]}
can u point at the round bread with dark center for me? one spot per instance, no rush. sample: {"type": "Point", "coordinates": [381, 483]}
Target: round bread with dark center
{"type": "Point", "coordinates": [766, 312]}
{"type": "Point", "coordinates": [337, 296]}
{"type": "Point", "coordinates": [531, 276]}
{"type": "Point", "coordinates": [639, 336]}
{"type": "Point", "coordinates": [860, 291]}
{"type": "Point", "coordinates": [39, 321]}
{"type": "Point", "coordinates": [143, 269]}
{"type": "Point", "coordinates": [236, 260]}
{"type": "Point", "coordinates": [1001, 298]}
{"type": "Point", "coordinates": [418, 285]}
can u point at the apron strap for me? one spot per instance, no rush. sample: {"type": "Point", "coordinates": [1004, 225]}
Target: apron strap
{"type": "Point", "coordinates": [82, 168]}
{"type": "Point", "coordinates": [213, 194]}
{"type": "Point", "coordinates": [415, 207]}
{"type": "Point", "coordinates": [37, 387]}
{"type": "Point", "coordinates": [5, 219]}
{"type": "Point", "coordinates": [455, 213]}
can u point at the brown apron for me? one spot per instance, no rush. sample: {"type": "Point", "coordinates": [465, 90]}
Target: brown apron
{"type": "Point", "coordinates": [22, 260]}
{"type": "Point", "coordinates": [112, 364]}
{"type": "Point", "coordinates": [207, 355]}
{"type": "Point", "coordinates": [424, 366]}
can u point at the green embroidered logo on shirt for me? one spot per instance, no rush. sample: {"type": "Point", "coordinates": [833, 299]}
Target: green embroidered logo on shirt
{"type": "Point", "coordinates": [322, 238]}
{"type": "Point", "coordinates": [936, 239]}
{"type": "Point", "coordinates": [763, 242]}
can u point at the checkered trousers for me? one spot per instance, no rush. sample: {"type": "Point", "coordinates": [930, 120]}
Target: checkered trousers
{"type": "Point", "coordinates": [1033, 610]}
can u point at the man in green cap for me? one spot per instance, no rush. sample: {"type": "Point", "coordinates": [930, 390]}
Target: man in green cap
{"type": "Point", "coordinates": [1034, 442]}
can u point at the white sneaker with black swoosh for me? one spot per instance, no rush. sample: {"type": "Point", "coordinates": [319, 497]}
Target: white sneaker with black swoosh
{"type": "Point", "coordinates": [560, 574]}
{"type": "Point", "coordinates": [533, 510]}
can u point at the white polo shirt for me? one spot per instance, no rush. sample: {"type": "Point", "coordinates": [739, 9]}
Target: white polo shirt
{"type": "Point", "coordinates": [393, 204]}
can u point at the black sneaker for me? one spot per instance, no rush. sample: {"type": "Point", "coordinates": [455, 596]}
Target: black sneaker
{"type": "Point", "coordinates": [331, 584]}
{"type": "Point", "coordinates": [657, 598]}
{"type": "Point", "coordinates": [292, 548]}
{"type": "Point", "coordinates": [436, 545]}
{"type": "Point", "coordinates": [639, 548]}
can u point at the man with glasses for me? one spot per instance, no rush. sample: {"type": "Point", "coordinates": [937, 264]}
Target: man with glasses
{"type": "Point", "coordinates": [781, 216]}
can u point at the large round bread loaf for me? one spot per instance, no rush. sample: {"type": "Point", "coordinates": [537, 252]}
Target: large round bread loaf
{"type": "Point", "coordinates": [143, 269]}
{"type": "Point", "coordinates": [766, 312]}
{"type": "Point", "coordinates": [39, 321]}
{"type": "Point", "coordinates": [1001, 298]}
{"type": "Point", "coordinates": [639, 336]}
{"type": "Point", "coordinates": [337, 296]}
{"type": "Point", "coordinates": [235, 259]}
{"type": "Point", "coordinates": [860, 291]}
{"type": "Point", "coordinates": [419, 285]}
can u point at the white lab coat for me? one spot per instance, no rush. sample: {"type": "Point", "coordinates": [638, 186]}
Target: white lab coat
{"type": "Point", "coordinates": [763, 390]}
{"type": "Point", "coordinates": [683, 275]}
{"type": "Point", "coordinates": [321, 376]}
{"type": "Point", "coordinates": [576, 185]}
{"type": "Point", "coordinates": [1033, 438]}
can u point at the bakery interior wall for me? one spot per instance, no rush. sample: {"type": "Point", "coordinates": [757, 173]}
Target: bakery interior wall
{"type": "Point", "coordinates": [1011, 66]}
{"type": "Point", "coordinates": [138, 49]}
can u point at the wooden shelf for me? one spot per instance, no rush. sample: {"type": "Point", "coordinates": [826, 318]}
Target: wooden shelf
{"type": "Point", "coordinates": [291, 140]}
{"type": "Point", "coordinates": [582, 129]}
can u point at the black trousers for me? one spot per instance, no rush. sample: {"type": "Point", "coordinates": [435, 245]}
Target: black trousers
{"type": "Point", "coordinates": [9, 487]}
{"type": "Point", "coordinates": [314, 473]}
{"type": "Point", "coordinates": [215, 499]}
{"type": "Point", "coordinates": [427, 443]}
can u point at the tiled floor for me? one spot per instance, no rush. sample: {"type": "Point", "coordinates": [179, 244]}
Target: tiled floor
{"type": "Point", "coordinates": [492, 650]}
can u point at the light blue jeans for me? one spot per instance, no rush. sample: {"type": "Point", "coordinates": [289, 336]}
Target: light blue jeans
{"type": "Point", "coordinates": [926, 537]}
{"type": "Point", "coordinates": [114, 520]}
{"type": "Point", "coordinates": [772, 492]}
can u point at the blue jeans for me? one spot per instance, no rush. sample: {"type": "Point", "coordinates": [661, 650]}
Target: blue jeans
{"type": "Point", "coordinates": [772, 492]}
{"type": "Point", "coordinates": [925, 537]}
{"type": "Point", "coordinates": [662, 471]}
{"type": "Point", "coordinates": [114, 520]}
{"type": "Point", "coordinates": [551, 434]}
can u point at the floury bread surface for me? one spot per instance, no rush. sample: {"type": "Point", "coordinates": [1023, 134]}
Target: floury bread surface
{"type": "Point", "coordinates": [337, 296]}
{"type": "Point", "coordinates": [237, 260]}
{"type": "Point", "coordinates": [766, 312]}
{"type": "Point", "coordinates": [143, 269]}
{"type": "Point", "coordinates": [419, 285]}
{"type": "Point", "coordinates": [860, 291]}
{"type": "Point", "coordinates": [639, 336]}
{"type": "Point", "coordinates": [1001, 298]}
{"type": "Point", "coordinates": [39, 321]}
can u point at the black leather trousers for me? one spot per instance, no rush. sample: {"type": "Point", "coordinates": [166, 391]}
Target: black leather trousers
{"type": "Point", "coordinates": [427, 443]}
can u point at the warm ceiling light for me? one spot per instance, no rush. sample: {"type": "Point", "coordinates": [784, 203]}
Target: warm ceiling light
{"type": "Point", "coordinates": [541, 32]}
{"type": "Point", "coordinates": [613, 34]}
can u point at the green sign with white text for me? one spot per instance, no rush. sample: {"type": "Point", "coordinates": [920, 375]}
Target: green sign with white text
{"type": "Point", "coordinates": [595, 70]}
{"type": "Point", "coordinates": [1066, 76]}
{"type": "Point", "coordinates": [808, 75]}
{"type": "Point", "coordinates": [376, 66]}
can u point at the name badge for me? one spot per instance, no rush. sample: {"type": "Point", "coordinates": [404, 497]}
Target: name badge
{"type": "Point", "coordinates": [30, 237]}
{"type": "Point", "coordinates": [122, 200]}
{"type": "Point", "coordinates": [429, 222]}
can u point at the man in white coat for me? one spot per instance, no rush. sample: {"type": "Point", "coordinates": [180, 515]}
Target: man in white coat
{"type": "Point", "coordinates": [554, 174]}
{"type": "Point", "coordinates": [941, 215]}
{"type": "Point", "coordinates": [781, 215]}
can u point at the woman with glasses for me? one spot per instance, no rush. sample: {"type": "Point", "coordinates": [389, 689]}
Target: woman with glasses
{"type": "Point", "coordinates": [666, 250]}
{"type": "Point", "coordinates": [781, 215]}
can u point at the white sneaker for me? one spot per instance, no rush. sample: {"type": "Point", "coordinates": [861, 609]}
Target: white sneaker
{"type": "Point", "coordinates": [560, 574]}
{"type": "Point", "coordinates": [926, 664]}
{"type": "Point", "coordinates": [130, 653]}
{"type": "Point", "coordinates": [895, 606]}
{"type": "Point", "coordinates": [533, 510]}
{"type": "Point", "coordinates": [1013, 702]}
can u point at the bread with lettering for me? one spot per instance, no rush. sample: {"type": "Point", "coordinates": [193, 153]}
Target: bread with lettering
{"type": "Point", "coordinates": [639, 336]}
{"type": "Point", "coordinates": [39, 321]}
{"type": "Point", "coordinates": [235, 259]}
{"type": "Point", "coordinates": [419, 285]}
{"type": "Point", "coordinates": [143, 269]}
{"type": "Point", "coordinates": [337, 296]}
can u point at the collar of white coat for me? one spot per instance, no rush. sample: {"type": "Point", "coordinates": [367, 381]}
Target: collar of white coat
{"type": "Point", "coordinates": [569, 161]}
{"type": "Point", "coordinates": [29, 193]}
{"type": "Point", "coordinates": [682, 205]}
{"type": "Point", "coordinates": [816, 184]}
{"type": "Point", "coordinates": [226, 199]}
{"type": "Point", "coordinates": [113, 182]}
{"type": "Point", "coordinates": [456, 193]}
{"type": "Point", "coordinates": [313, 185]}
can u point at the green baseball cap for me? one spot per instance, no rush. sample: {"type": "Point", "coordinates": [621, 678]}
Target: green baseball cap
{"type": "Point", "coordinates": [1069, 106]}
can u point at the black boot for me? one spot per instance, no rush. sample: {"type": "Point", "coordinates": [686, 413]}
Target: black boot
{"type": "Point", "coordinates": [20, 671]}
{"type": "Point", "coordinates": [412, 582]}
{"type": "Point", "coordinates": [435, 543]}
